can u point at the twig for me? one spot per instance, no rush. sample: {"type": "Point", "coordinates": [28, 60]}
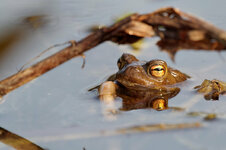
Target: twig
{"type": "Point", "coordinates": [175, 28]}
{"type": "Point", "coordinates": [39, 55]}
{"type": "Point", "coordinates": [16, 141]}
{"type": "Point", "coordinates": [60, 57]}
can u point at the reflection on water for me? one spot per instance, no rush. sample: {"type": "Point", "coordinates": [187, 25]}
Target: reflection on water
{"type": "Point", "coordinates": [140, 98]}
{"type": "Point", "coordinates": [173, 46]}
{"type": "Point", "coordinates": [152, 98]}
{"type": "Point", "coordinates": [16, 141]}
{"type": "Point", "coordinates": [49, 108]}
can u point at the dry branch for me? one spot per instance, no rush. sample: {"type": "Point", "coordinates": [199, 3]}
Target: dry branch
{"type": "Point", "coordinates": [17, 142]}
{"type": "Point", "coordinates": [171, 25]}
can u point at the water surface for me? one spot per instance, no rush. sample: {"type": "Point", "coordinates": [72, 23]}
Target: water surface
{"type": "Point", "coordinates": [57, 104]}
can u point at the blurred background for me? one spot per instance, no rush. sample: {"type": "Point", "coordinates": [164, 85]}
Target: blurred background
{"type": "Point", "coordinates": [56, 111]}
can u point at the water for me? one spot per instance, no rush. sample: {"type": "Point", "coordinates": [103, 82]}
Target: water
{"type": "Point", "coordinates": [58, 104]}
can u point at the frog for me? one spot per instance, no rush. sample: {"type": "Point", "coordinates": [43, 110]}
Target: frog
{"type": "Point", "coordinates": [147, 82]}
{"type": "Point", "coordinates": [137, 74]}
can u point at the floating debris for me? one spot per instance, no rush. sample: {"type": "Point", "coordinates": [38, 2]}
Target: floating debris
{"type": "Point", "coordinates": [211, 89]}
{"type": "Point", "coordinates": [206, 116]}
{"type": "Point", "coordinates": [210, 117]}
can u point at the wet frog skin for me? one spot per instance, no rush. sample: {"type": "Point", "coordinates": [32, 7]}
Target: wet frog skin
{"type": "Point", "coordinates": [141, 83]}
{"type": "Point", "coordinates": [135, 74]}
{"type": "Point", "coordinates": [145, 84]}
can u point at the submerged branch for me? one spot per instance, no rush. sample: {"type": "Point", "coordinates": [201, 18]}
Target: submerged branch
{"type": "Point", "coordinates": [122, 131]}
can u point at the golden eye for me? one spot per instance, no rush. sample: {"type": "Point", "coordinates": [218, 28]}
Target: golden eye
{"type": "Point", "coordinates": [159, 104]}
{"type": "Point", "coordinates": [157, 71]}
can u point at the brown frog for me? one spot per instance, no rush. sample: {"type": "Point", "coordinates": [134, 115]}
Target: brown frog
{"type": "Point", "coordinates": [144, 82]}
{"type": "Point", "coordinates": [138, 74]}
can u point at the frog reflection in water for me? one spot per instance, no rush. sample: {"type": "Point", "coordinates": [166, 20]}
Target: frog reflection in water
{"type": "Point", "coordinates": [142, 84]}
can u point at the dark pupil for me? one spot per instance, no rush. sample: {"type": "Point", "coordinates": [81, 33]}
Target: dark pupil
{"type": "Point", "coordinates": [158, 69]}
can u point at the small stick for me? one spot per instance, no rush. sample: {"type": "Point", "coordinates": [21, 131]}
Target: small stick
{"type": "Point", "coordinates": [84, 61]}
{"type": "Point", "coordinates": [39, 55]}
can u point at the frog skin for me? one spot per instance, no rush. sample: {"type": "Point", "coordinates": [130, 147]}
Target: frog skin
{"type": "Point", "coordinates": [135, 74]}
{"type": "Point", "coordinates": [143, 81]}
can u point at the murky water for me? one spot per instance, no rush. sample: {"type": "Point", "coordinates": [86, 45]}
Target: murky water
{"type": "Point", "coordinates": [55, 110]}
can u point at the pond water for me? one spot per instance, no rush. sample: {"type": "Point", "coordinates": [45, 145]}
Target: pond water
{"type": "Point", "coordinates": [57, 112]}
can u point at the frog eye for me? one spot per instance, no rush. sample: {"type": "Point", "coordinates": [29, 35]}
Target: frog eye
{"type": "Point", "coordinates": [157, 71]}
{"type": "Point", "coordinates": [159, 104]}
